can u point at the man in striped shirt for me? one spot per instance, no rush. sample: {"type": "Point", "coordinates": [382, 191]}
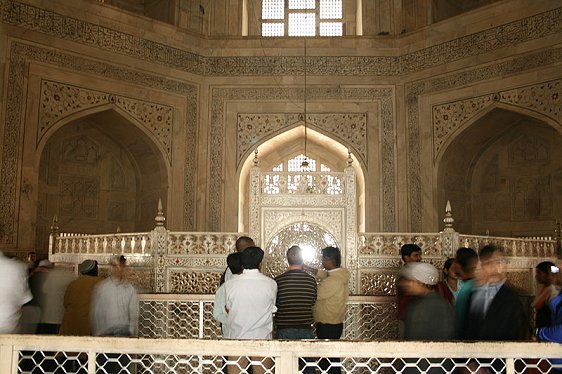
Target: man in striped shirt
{"type": "Point", "coordinates": [296, 295]}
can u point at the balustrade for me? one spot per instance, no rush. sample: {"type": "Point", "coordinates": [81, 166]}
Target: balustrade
{"type": "Point", "coordinates": [68, 354]}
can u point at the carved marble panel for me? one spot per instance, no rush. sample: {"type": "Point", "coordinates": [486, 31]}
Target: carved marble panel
{"type": "Point", "coordinates": [210, 244]}
{"type": "Point", "coordinates": [142, 279]}
{"type": "Point", "coordinates": [390, 244]}
{"type": "Point", "coordinates": [530, 198]}
{"type": "Point", "coordinates": [182, 281]}
{"type": "Point", "coordinates": [522, 279]}
{"type": "Point", "coordinates": [78, 196]}
{"type": "Point", "coordinates": [528, 150]}
{"type": "Point", "coordinates": [377, 282]}
{"type": "Point", "coordinates": [81, 150]}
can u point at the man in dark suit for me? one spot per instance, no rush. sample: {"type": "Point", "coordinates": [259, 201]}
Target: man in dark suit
{"type": "Point", "coordinates": [495, 311]}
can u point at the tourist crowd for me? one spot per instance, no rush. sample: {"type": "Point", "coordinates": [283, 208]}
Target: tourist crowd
{"type": "Point", "coordinates": [470, 300]}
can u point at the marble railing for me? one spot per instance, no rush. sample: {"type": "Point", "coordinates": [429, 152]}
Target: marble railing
{"type": "Point", "coordinates": [513, 247]}
{"type": "Point", "coordinates": [191, 262]}
{"type": "Point", "coordinates": [191, 317]}
{"type": "Point", "coordinates": [73, 354]}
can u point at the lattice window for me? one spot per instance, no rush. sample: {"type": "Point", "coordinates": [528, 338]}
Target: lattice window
{"type": "Point", "coordinates": [302, 18]}
{"type": "Point", "coordinates": [293, 183]}
{"type": "Point", "coordinates": [310, 237]}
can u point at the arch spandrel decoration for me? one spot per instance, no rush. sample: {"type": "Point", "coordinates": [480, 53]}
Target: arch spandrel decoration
{"type": "Point", "coordinates": [335, 214]}
{"type": "Point", "coordinates": [351, 128]}
{"type": "Point", "coordinates": [60, 100]}
{"type": "Point", "coordinates": [542, 99]}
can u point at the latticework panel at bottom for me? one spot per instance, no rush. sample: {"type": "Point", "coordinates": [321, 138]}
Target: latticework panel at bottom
{"type": "Point", "coordinates": [35, 362]}
{"type": "Point", "coordinates": [315, 365]}
{"type": "Point", "coordinates": [182, 364]}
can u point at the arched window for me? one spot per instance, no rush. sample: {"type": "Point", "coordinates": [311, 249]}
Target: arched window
{"type": "Point", "coordinates": [302, 18]}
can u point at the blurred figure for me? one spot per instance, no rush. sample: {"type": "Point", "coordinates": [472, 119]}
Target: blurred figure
{"type": "Point", "coordinates": [428, 316]}
{"type": "Point", "coordinates": [31, 312]}
{"type": "Point", "coordinates": [553, 333]}
{"type": "Point", "coordinates": [545, 275]}
{"type": "Point", "coordinates": [467, 261]}
{"type": "Point", "coordinates": [115, 306]}
{"type": "Point", "coordinates": [242, 243]}
{"type": "Point", "coordinates": [14, 292]}
{"type": "Point", "coordinates": [409, 253]}
{"type": "Point", "coordinates": [234, 262]}
{"type": "Point", "coordinates": [78, 300]}
{"type": "Point", "coordinates": [495, 311]}
{"type": "Point", "coordinates": [31, 261]}
{"type": "Point", "coordinates": [48, 285]}
{"type": "Point", "coordinates": [448, 288]}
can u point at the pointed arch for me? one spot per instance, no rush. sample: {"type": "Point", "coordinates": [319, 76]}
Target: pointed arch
{"type": "Point", "coordinates": [290, 143]}
{"type": "Point", "coordinates": [127, 119]}
{"type": "Point", "coordinates": [128, 171]}
{"type": "Point", "coordinates": [491, 185]}
{"type": "Point", "coordinates": [480, 114]}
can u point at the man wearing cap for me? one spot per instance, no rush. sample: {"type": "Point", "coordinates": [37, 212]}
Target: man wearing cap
{"type": "Point", "coordinates": [427, 316]}
{"type": "Point", "coordinates": [78, 300]}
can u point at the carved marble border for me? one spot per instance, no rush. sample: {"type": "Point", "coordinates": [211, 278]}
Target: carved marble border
{"type": "Point", "coordinates": [413, 90]}
{"type": "Point", "coordinates": [220, 96]}
{"type": "Point", "coordinates": [543, 98]}
{"type": "Point", "coordinates": [20, 55]}
{"type": "Point", "coordinates": [52, 23]}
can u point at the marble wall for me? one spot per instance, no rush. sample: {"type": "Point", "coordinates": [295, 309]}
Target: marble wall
{"type": "Point", "coordinates": [174, 101]}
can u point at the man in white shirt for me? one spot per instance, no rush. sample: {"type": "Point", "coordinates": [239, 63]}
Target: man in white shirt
{"type": "Point", "coordinates": [250, 302]}
{"type": "Point", "coordinates": [14, 292]}
{"type": "Point", "coordinates": [250, 299]}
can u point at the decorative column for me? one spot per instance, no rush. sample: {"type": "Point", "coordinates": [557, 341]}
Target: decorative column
{"type": "Point", "coordinates": [449, 237]}
{"type": "Point", "coordinates": [254, 202]}
{"type": "Point", "coordinates": [53, 235]}
{"type": "Point", "coordinates": [351, 223]}
{"type": "Point", "coordinates": [159, 240]}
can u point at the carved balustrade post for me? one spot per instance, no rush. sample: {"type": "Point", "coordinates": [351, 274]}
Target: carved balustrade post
{"type": "Point", "coordinates": [53, 235]}
{"type": "Point", "coordinates": [449, 237]}
{"type": "Point", "coordinates": [159, 243]}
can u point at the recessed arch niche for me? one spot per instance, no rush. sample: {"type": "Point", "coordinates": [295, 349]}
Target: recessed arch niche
{"type": "Point", "coordinates": [100, 173]}
{"type": "Point", "coordinates": [503, 175]}
{"type": "Point", "coordinates": [288, 144]}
